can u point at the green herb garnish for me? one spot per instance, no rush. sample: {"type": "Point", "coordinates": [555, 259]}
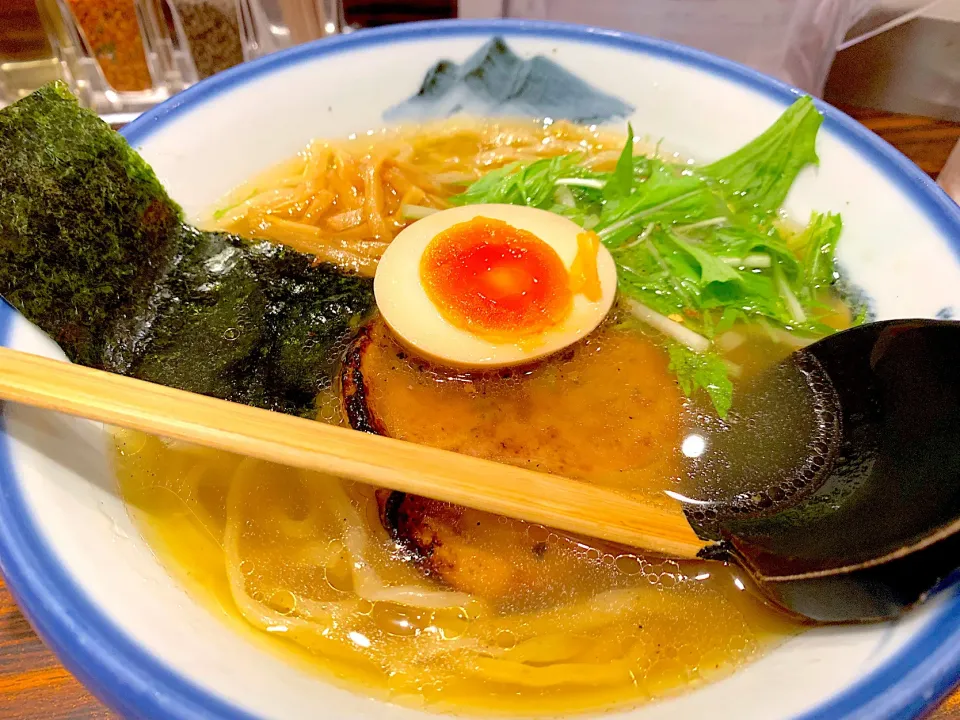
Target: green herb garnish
{"type": "Point", "coordinates": [697, 248]}
{"type": "Point", "coordinates": [757, 177]}
{"type": "Point", "coordinates": [702, 371]}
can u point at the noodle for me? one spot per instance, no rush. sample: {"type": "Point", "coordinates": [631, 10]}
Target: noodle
{"type": "Point", "coordinates": [305, 559]}
{"type": "Point", "coordinates": [343, 202]}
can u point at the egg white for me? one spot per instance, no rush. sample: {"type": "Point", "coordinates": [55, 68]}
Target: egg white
{"type": "Point", "coordinates": [417, 322]}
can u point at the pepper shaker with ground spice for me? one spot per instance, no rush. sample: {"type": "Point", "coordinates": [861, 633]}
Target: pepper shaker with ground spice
{"type": "Point", "coordinates": [212, 30]}
{"type": "Point", "coordinates": [112, 32]}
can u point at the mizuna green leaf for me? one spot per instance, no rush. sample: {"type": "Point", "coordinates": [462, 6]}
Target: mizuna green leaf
{"type": "Point", "coordinates": [702, 242]}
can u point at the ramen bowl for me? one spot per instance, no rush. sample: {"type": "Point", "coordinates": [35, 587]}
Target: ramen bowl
{"type": "Point", "coordinates": [90, 584]}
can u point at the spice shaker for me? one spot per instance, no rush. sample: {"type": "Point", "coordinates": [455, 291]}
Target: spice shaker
{"type": "Point", "coordinates": [112, 32]}
{"type": "Point", "coordinates": [213, 33]}
{"type": "Point", "coordinates": [121, 55]}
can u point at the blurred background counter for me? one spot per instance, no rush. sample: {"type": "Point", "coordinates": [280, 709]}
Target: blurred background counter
{"type": "Point", "coordinates": [123, 56]}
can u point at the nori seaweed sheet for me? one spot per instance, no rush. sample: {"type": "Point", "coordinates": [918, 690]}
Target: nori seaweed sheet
{"type": "Point", "coordinates": [255, 324]}
{"type": "Point", "coordinates": [84, 223]}
{"type": "Point", "coordinates": [94, 252]}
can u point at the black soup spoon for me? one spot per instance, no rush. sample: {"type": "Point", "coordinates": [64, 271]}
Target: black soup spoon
{"type": "Point", "coordinates": [837, 485]}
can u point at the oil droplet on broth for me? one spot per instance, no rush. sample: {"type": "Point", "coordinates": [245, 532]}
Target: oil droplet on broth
{"type": "Point", "coordinates": [400, 621]}
{"type": "Point", "coordinates": [506, 640]}
{"type": "Point", "coordinates": [128, 442]}
{"type": "Point", "coordinates": [455, 626]}
{"type": "Point", "coordinates": [283, 601]}
{"type": "Point", "coordinates": [339, 578]}
{"type": "Point", "coordinates": [629, 564]}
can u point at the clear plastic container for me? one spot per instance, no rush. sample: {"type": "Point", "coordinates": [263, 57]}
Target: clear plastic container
{"type": "Point", "coordinates": [223, 33]}
{"type": "Point", "coordinates": [114, 39]}
{"type": "Point", "coordinates": [794, 40]}
{"type": "Point", "coordinates": [121, 57]}
{"type": "Point", "coordinates": [277, 24]}
{"type": "Point", "coordinates": [949, 178]}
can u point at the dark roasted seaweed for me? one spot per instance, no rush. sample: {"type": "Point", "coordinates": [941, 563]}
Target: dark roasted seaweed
{"type": "Point", "coordinates": [94, 252]}
{"type": "Point", "coordinates": [84, 223]}
{"type": "Point", "coordinates": [255, 324]}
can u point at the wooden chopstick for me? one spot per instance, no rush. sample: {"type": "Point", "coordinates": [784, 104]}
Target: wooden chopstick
{"type": "Point", "coordinates": [550, 500]}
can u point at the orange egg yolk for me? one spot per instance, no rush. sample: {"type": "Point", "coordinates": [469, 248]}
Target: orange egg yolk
{"type": "Point", "coordinates": [491, 278]}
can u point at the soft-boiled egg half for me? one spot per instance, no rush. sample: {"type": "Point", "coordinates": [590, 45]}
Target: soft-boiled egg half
{"type": "Point", "coordinates": [484, 286]}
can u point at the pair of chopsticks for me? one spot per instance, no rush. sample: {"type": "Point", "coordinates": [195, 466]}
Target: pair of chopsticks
{"type": "Point", "coordinates": [549, 500]}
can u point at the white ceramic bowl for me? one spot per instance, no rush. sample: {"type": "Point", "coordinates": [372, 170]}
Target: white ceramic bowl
{"type": "Point", "coordinates": [90, 584]}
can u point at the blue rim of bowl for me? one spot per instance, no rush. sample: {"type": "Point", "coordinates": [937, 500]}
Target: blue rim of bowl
{"type": "Point", "coordinates": [129, 678]}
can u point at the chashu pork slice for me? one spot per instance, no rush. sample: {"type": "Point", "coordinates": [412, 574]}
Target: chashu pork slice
{"type": "Point", "coordinates": [606, 411]}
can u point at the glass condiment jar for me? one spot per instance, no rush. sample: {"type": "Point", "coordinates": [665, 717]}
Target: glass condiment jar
{"type": "Point", "coordinates": [213, 33]}
{"type": "Point", "coordinates": [26, 59]}
{"type": "Point", "coordinates": [115, 40]}
{"type": "Point", "coordinates": [120, 55]}
{"type": "Point", "coordinates": [224, 33]}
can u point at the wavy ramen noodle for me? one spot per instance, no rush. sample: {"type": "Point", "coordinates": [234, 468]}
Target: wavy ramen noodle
{"type": "Point", "coordinates": [304, 559]}
{"type": "Point", "coordinates": [345, 201]}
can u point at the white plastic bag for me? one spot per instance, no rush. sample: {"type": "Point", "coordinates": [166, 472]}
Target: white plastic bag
{"type": "Point", "coordinates": [949, 178]}
{"type": "Point", "coordinates": [794, 40]}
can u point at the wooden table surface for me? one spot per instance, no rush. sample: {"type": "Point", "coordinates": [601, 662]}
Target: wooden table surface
{"type": "Point", "coordinates": [34, 686]}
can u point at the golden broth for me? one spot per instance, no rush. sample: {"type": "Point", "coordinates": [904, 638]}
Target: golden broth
{"type": "Point", "coordinates": [273, 550]}
{"type": "Point", "coordinates": [302, 562]}
{"type": "Point", "coordinates": [531, 622]}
